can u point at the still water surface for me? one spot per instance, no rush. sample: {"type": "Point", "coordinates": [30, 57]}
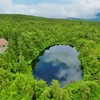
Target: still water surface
{"type": "Point", "coordinates": [59, 62]}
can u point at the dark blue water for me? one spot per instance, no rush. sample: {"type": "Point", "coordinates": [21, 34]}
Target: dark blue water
{"type": "Point", "coordinates": [59, 62]}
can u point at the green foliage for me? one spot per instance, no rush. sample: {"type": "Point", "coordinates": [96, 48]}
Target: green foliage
{"type": "Point", "coordinates": [58, 93]}
{"type": "Point", "coordinates": [5, 78]}
{"type": "Point", "coordinates": [39, 87]}
{"type": "Point", "coordinates": [27, 36]}
{"type": "Point", "coordinates": [20, 88]}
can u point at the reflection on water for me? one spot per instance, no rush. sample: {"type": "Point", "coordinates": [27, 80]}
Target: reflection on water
{"type": "Point", "coordinates": [59, 62]}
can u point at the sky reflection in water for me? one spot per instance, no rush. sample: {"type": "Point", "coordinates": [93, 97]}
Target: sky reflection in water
{"type": "Point", "coordinates": [60, 62]}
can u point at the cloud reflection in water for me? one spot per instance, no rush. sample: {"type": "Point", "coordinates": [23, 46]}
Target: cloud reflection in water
{"type": "Point", "coordinates": [60, 62]}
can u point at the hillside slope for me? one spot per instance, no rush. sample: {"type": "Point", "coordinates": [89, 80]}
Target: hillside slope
{"type": "Point", "coordinates": [27, 36]}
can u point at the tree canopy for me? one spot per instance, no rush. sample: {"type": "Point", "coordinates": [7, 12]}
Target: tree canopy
{"type": "Point", "coordinates": [27, 36]}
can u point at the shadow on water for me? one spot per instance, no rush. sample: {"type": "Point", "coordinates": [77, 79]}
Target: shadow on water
{"type": "Point", "coordinates": [58, 62]}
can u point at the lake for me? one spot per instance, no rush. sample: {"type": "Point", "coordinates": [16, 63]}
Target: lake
{"type": "Point", "coordinates": [59, 62]}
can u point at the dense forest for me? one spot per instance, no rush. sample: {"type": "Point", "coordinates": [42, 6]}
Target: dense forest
{"type": "Point", "coordinates": [27, 36]}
